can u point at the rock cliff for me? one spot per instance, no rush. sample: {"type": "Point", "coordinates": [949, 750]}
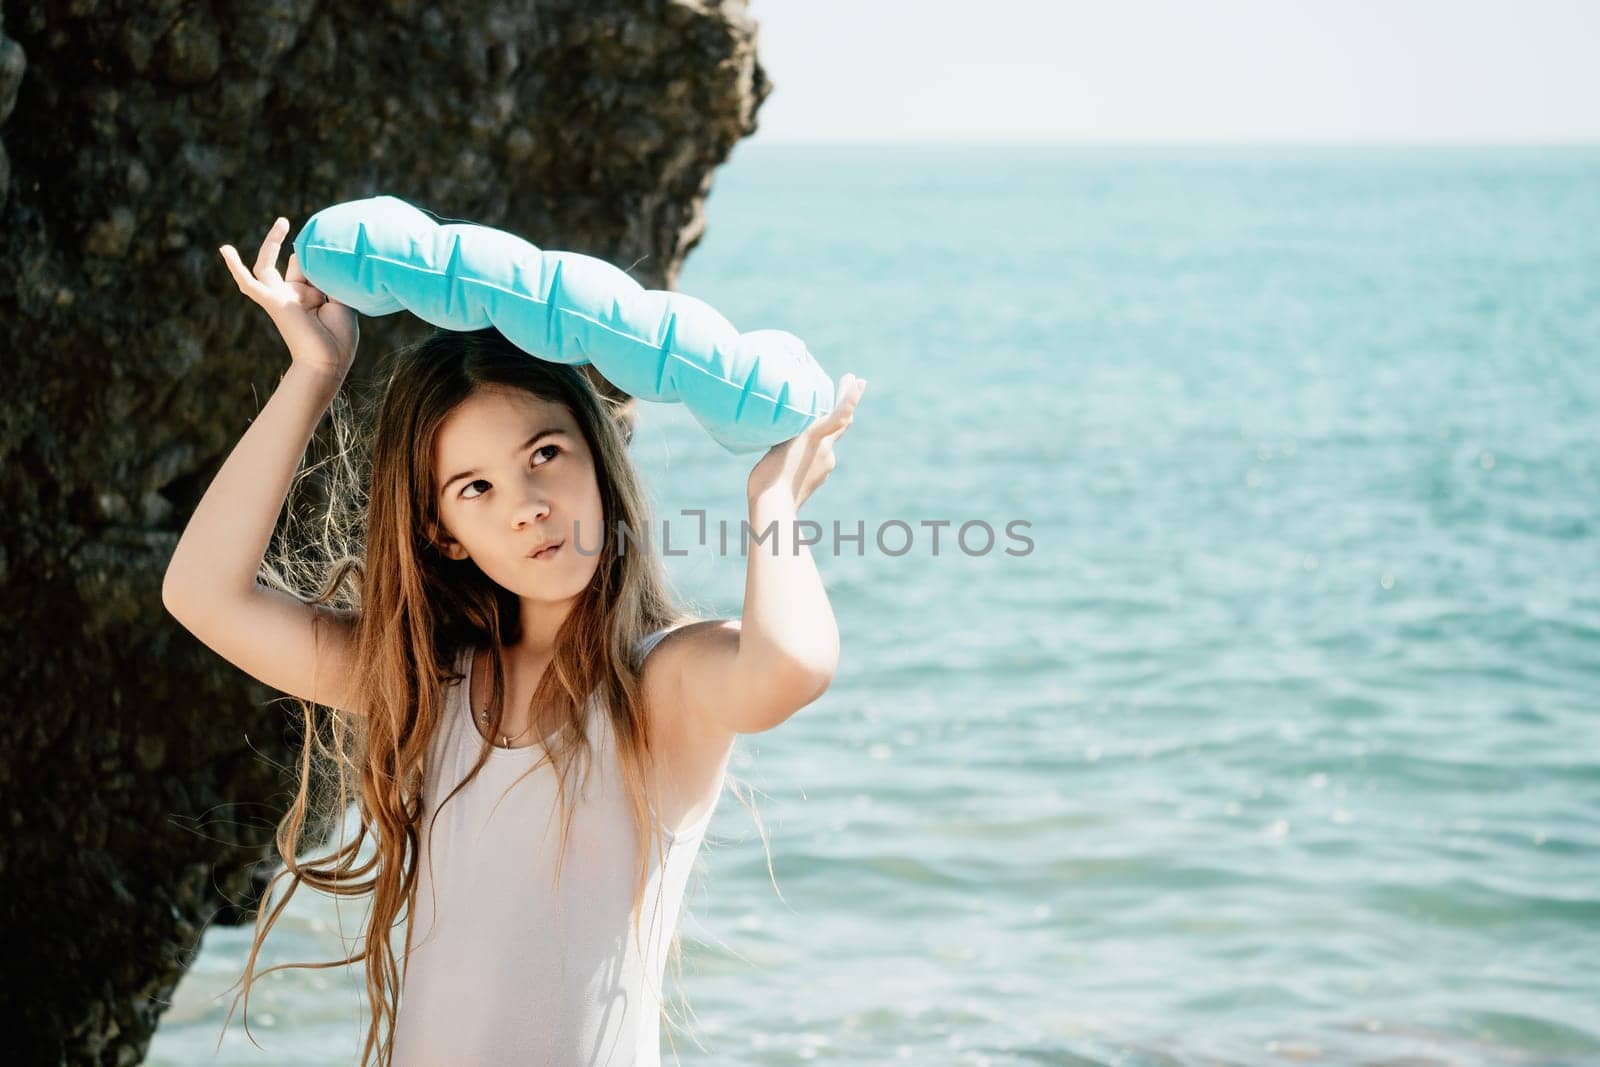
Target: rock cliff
{"type": "Point", "coordinates": [140, 774]}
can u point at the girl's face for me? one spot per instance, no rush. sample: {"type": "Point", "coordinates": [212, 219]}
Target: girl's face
{"type": "Point", "coordinates": [515, 474]}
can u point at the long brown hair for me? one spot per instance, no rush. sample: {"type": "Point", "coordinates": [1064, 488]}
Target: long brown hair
{"type": "Point", "coordinates": [373, 555]}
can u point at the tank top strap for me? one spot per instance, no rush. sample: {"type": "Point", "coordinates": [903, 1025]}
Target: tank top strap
{"type": "Point", "coordinates": [641, 650]}
{"type": "Point", "coordinates": [650, 641]}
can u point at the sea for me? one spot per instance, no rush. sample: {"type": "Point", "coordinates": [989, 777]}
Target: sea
{"type": "Point", "coordinates": [1216, 559]}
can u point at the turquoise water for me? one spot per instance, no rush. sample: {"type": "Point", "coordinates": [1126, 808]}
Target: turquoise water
{"type": "Point", "coordinates": [1279, 746]}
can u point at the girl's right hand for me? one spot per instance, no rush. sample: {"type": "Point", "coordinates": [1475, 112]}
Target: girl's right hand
{"type": "Point", "coordinates": [321, 332]}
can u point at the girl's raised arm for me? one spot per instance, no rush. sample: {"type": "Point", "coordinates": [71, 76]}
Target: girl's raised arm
{"type": "Point", "coordinates": [210, 584]}
{"type": "Point", "coordinates": [751, 674]}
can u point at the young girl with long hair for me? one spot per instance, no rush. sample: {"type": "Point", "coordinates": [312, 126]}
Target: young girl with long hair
{"type": "Point", "coordinates": [507, 649]}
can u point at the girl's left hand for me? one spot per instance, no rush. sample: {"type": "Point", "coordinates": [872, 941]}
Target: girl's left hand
{"type": "Point", "coordinates": [797, 466]}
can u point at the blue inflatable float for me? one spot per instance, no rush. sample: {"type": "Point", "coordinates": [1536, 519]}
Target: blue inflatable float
{"type": "Point", "coordinates": [748, 390]}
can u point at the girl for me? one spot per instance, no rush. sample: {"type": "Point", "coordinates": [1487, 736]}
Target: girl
{"type": "Point", "coordinates": [513, 650]}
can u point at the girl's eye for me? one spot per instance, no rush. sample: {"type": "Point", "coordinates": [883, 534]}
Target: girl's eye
{"type": "Point", "coordinates": [536, 453]}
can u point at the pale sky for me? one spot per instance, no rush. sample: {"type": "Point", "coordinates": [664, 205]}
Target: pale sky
{"type": "Point", "coordinates": [1426, 71]}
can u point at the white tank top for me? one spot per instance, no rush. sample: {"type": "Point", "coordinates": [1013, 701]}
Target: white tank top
{"type": "Point", "coordinates": [505, 968]}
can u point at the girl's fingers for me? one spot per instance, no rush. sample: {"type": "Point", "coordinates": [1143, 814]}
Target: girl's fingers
{"type": "Point", "coordinates": [230, 256]}
{"type": "Point", "coordinates": [849, 395]}
{"type": "Point", "coordinates": [310, 296]}
{"type": "Point", "coordinates": [856, 394]}
{"type": "Point", "coordinates": [838, 420]}
{"type": "Point", "coordinates": [255, 283]}
{"type": "Point", "coordinates": [267, 258]}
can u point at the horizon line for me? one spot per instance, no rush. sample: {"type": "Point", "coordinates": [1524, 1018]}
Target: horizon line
{"type": "Point", "coordinates": [1210, 143]}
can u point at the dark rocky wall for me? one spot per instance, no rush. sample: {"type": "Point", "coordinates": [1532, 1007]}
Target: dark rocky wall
{"type": "Point", "coordinates": [140, 774]}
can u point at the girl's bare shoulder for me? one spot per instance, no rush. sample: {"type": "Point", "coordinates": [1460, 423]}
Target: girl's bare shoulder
{"type": "Point", "coordinates": [662, 681]}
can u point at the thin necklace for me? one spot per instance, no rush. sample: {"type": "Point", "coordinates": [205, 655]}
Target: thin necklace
{"type": "Point", "coordinates": [506, 739]}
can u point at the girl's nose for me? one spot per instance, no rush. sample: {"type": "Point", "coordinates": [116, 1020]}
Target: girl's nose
{"type": "Point", "coordinates": [533, 506]}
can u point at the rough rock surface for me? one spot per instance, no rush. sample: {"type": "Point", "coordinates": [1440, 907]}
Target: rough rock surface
{"type": "Point", "coordinates": [140, 774]}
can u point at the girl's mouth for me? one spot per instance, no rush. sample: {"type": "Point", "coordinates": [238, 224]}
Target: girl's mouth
{"type": "Point", "coordinates": [548, 553]}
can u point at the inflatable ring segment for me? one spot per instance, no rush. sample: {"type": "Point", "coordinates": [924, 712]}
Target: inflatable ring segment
{"type": "Point", "coordinates": [749, 391]}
